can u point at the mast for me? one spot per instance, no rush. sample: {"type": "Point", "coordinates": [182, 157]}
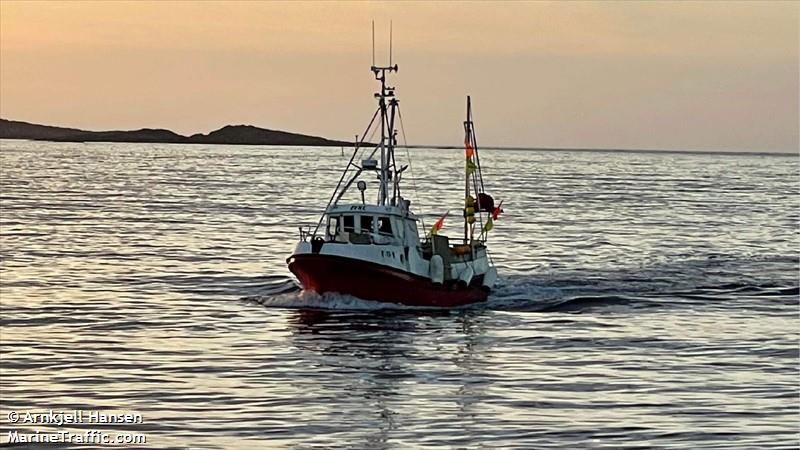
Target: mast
{"type": "Point", "coordinates": [467, 140]}
{"type": "Point", "coordinates": [382, 108]}
{"type": "Point", "coordinates": [470, 203]}
{"type": "Point", "coordinates": [473, 181]}
{"type": "Point", "coordinates": [387, 109]}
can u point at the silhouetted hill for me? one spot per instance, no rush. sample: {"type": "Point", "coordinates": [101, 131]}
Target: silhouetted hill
{"type": "Point", "coordinates": [144, 135]}
{"type": "Point", "coordinates": [231, 134]}
{"type": "Point", "coordinates": [11, 129]}
{"type": "Point", "coordinates": [248, 134]}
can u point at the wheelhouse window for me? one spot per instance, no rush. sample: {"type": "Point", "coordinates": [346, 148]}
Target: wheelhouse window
{"type": "Point", "coordinates": [384, 225]}
{"type": "Point", "coordinates": [333, 225]}
{"type": "Point", "coordinates": [349, 224]}
{"type": "Point", "coordinates": [366, 224]}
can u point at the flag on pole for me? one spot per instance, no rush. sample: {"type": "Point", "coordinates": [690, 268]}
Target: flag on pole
{"type": "Point", "coordinates": [468, 148]}
{"type": "Point", "coordinates": [470, 167]}
{"type": "Point", "coordinates": [497, 211]}
{"type": "Point", "coordinates": [439, 224]}
{"type": "Point", "coordinates": [488, 226]}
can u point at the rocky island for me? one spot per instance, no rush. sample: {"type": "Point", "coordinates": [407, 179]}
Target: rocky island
{"type": "Point", "coordinates": [230, 134]}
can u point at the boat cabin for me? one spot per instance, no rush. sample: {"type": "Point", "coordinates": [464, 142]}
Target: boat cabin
{"type": "Point", "coordinates": [370, 224]}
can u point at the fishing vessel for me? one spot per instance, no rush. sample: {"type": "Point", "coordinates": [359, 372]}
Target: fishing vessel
{"type": "Point", "coordinates": [373, 250]}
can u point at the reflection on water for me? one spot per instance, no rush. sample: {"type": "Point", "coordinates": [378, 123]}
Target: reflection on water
{"type": "Point", "coordinates": [386, 363]}
{"type": "Point", "coordinates": [645, 300]}
{"type": "Point", "coordinates": [374, 347]}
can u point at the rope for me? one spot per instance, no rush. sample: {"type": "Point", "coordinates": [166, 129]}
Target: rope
{"type": "Point", "coordinates": [410, 167]}
{"type": "Point", "coordinates": [346, 171]}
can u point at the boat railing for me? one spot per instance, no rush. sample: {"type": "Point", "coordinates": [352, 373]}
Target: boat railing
{"type": "Point", "coordinates": [305, 233]}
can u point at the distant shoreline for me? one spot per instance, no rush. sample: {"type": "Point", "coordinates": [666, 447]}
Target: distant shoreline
{"type": "Point", "coordinates": [229, 134]}
{"type": "Point", "coordinates": [251, 135]}
{"type": "Point", "coordinates": [609, 150]}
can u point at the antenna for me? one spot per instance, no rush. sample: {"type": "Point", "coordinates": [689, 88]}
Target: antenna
{"type": "Point", "coordinates": [373, 43]}
{"type": "Point", "coordinates": [390, 43]}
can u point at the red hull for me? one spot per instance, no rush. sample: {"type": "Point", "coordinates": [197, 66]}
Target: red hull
{"type": "Point", "coordinates": [326, 273]}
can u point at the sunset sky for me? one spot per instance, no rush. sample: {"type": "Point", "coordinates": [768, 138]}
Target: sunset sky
{"type": "Point", "coordinates": [648, 75]}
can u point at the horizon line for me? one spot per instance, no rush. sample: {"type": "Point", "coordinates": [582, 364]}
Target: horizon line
{"type": "Point", "coordinates": [433, 146]}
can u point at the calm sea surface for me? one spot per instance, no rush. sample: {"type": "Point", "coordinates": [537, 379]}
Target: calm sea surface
{"type": "Point", "coordinates": [645, 300]}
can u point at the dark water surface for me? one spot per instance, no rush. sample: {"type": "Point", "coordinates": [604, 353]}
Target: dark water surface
{"type": "Point", "coordinates": [645, 300]}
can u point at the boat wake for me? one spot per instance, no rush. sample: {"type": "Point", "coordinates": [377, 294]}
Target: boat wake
{"type": "Point", "coordinates": [573, 291]}
{"type": "Point", "coordinates": [302, 299]}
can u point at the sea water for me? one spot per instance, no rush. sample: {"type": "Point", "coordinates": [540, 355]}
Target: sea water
{"type": "Point", "coordinates": [644, 300]}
